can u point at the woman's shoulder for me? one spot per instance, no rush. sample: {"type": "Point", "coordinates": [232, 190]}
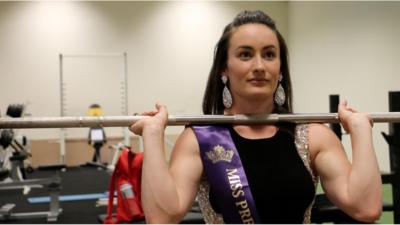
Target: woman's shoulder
{"type": "Point", "coordinates": [186, 143]}
{"type": "Point", "coordinates": [320, 127]}
{"type": "Point", "coordinates": [319, 130]}
{"type": "Point", "coordinates": [321, 137]}
{"type": "Point", "coordinates": [188, 135]}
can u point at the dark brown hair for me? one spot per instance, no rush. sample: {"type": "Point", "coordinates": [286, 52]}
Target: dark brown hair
{"type": "Point", "coordinates": [212, 100]}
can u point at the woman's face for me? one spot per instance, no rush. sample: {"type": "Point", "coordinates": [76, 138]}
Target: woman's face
{"type": "Point", "coordinates": [253, 65]}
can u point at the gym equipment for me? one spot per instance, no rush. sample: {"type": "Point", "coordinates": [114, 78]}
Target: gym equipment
{"type": "Point", "coordinates": [68, 198]}
{"type": "Point", "coordinates": [6, 137]}
{"type": "Point", "coordinates": [19, 153]}
{"type": "Point", "coordinates": [333, 108]}
{"type": "Point", "coordinates": [97, 137]}
{"type": "Point", "coordinates": [183, 120]}
{"type": "Point", "coordinates": [83, 67]}
{"type": "Point", "coordinates": [15, 110]}
{"type": "Point", "coordinates": [95, 110]}
{"type": "Point", "coordinates": [393, 139]}
{"type": "Point", "coordinates": [117, 152]}
{"type": "Point", "coordinates": [14, 176]}
{"type": "Point", "coordinates": [54, 187]}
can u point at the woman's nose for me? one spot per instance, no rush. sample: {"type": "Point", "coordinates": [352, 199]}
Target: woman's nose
{"type": "Point", "coordinates": [258, 64]}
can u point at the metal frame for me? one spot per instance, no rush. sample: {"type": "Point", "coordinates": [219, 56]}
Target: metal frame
{"type": "Point", "coordinates": [183, 120]}
{"type": "Point", "coordinates": [62, 94]}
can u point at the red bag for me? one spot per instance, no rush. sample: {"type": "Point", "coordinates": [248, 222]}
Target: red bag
{"type": "Point", "coordinates": [126, 178]}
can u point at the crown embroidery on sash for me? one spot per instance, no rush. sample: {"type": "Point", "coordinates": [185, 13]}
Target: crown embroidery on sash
{"type": "Point", "coordinates": [220, 154]}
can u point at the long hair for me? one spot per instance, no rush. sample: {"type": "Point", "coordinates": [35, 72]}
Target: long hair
{"type": "Point", "coordinates": [212, 99]}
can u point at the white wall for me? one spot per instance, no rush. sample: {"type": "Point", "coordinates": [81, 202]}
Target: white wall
{"type": "Point", "coordinates": [346, 48]}
{"type": "Point", "coordinates": [169, 44]}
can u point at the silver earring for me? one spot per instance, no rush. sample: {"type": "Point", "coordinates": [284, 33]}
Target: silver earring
{"type": "Point", "coordinates": [280, 96]}
{"type": "Point", "coordinates": [226, 95]}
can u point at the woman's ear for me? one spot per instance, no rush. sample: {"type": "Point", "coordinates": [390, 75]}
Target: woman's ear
{"type": "Point", "coordinates": [224, 73]}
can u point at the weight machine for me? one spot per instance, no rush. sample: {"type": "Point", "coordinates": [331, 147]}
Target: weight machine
{"type": "Point", "coordinates": [14, 176]}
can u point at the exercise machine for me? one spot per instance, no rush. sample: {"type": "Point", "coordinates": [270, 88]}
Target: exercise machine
{"type": "Point", "coordinates": [15, 154]}
{"type": "Point", "coordinates": [96, 138]}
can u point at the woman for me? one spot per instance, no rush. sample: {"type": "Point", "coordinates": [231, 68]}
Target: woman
{"type": "Point", "coordinates": [258, 173]}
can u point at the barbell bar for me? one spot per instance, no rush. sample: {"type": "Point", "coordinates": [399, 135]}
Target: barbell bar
{"type": "Point", "coordinates": [183, 120]}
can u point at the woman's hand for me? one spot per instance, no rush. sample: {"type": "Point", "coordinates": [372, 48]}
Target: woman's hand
{"type": "Point", "coordinates": [351, 119]}
{"type": "Point", "coordinates": [157, 120]}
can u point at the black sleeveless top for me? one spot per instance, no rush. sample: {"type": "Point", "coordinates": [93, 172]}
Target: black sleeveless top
{"type": "Point", "coordinates": [281, 186]}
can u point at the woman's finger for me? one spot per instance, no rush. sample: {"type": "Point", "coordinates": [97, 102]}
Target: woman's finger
{"type": "Point", "coordinates": [136, 128]}
{"type": "Point", "coordinates": [161, 108]}
{"type": "Point", "coordinates": [343, 103]}
{"type": "Point", "coordinates": [150, 113]}
{"type": "Point", "coordinates": [351, 109]}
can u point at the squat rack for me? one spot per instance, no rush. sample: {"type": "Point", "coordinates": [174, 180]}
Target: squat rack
{"type": "Point", "coordinates": [63, 94]}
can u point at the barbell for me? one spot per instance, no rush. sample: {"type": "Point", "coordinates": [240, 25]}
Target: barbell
{"type": "Point", "coordinates": [183, 120]}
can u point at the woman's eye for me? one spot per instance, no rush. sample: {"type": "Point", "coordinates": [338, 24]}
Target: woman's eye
{"type": "Point", "coordinates": [244, 55]}
{"type": "Point", "coordinates": [269, 55]}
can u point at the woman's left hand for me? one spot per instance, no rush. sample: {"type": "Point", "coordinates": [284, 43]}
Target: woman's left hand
{"type": "Point", "coordinates": [157, 120]}
{"type": "Point", "coordinates": [351, 118]}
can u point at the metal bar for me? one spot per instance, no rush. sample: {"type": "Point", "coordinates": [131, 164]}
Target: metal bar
{"type": "Point", "coordinates": [182, 120]}
{"type": "Point", "coordinates": [29, 182]}
{"type": "Point", "coordinates": [51, 217]}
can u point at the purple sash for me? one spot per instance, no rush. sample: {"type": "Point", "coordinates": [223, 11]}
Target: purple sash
{"type": "Point", "coordinates": [226, 175]}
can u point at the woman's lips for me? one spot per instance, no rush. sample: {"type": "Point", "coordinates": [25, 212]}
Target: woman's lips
{"type": "Point", "coordinates": [258, 82]}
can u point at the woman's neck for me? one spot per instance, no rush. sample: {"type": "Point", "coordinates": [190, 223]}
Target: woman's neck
{"type": "Point", "coordinates": [251, 107]}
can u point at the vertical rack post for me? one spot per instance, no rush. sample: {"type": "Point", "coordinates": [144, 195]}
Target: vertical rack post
{"type": "Point", "coordinates": [333, 108]}
{"type": "Point", "coordinates": [62, 112]}
{"type": "Point", "coordinates": [394, 151]}
{"type": "Point", "coordinates": [125, 104]}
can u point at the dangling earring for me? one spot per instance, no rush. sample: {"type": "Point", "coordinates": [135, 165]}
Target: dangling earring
{"type": "Point", "coordinates": [226, 95]}
{"type": "Point", "coordinates": [280, 93]}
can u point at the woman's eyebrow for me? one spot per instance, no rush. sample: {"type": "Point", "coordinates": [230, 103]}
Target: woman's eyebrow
{"type": "Point", "coordinates": [269, 46]}
{"type": "Point", "coordinates": [248, 47]}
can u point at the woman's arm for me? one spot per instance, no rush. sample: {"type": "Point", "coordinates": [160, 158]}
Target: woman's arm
{"type": "Point", "coordinates": [355, 188]}
{"type": "Point", "coordinates": [168, 190]}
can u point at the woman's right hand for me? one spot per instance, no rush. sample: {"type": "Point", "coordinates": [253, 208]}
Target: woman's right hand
{"type": "Point", "coordinates": [157, 120]}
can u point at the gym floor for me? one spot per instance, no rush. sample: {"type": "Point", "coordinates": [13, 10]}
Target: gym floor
{"type": "Point", "coordinates": [75, 180]}
{"type": "Point", "coordinates": [89, 180]}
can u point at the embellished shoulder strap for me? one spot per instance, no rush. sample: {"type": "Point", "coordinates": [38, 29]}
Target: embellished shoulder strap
{"type": "Point", "coordinates": [209, 215]}
{"type": "Point", "coordinates": [301, 142]}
